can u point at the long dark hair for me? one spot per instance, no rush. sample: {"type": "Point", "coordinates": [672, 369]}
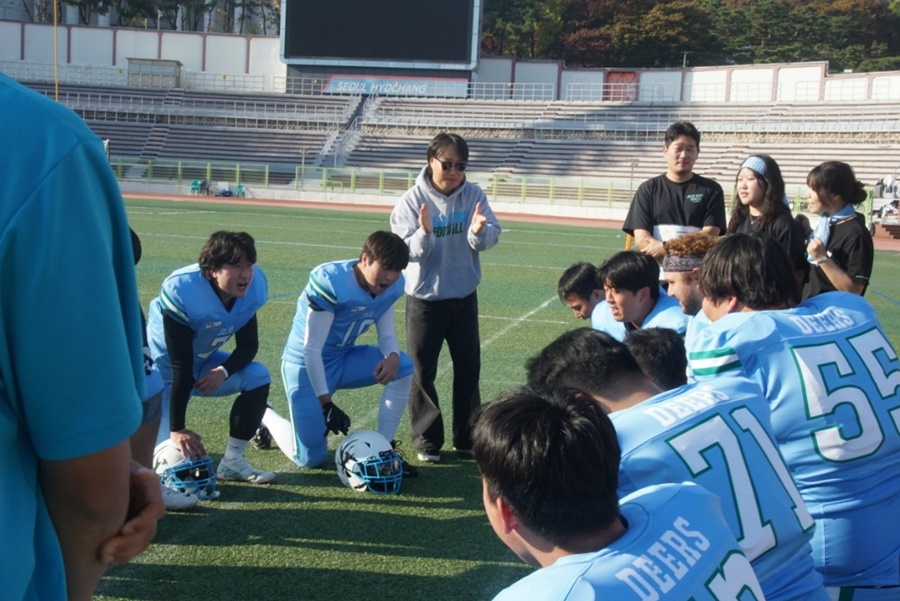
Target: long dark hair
{"type": "Point", "coordinates": [773, 200]}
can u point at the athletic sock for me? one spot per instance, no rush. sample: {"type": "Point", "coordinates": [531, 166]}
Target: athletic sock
{"type": "Point", "coordinates": [234, 448]}
{"type": "Point", "coordinates": [281, 430]}
{"type": "Point", "coordinates": [393, 403]}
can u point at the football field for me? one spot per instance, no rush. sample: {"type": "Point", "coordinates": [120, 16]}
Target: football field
{"type": "Point", "coordinates": [306, 536]}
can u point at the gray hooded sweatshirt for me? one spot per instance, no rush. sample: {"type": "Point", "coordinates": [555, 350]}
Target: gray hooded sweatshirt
{"type": "Point", "coordinates": [443, 264]}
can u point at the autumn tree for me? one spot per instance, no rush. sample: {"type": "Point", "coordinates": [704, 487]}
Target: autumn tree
{"type": "Point", "coordinates": [522, 28]}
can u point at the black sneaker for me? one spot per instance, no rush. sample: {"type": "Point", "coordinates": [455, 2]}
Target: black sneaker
{"type": "Point", "coordinates": [409, 470]}
{"type": "Point", "coordinates": [262, 440]}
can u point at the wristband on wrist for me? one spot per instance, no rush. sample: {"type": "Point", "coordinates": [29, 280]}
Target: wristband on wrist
{"type": "Point", "coordinates": [224, 370]}
{"type": "Point", "coordinates": [824, 259]}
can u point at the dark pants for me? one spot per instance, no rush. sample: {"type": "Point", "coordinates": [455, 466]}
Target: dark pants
{"type": "Point", "coordinates": [428, 324]}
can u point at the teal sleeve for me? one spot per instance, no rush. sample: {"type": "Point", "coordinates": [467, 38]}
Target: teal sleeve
{"type": "Point", "coordinates": [70, 310]}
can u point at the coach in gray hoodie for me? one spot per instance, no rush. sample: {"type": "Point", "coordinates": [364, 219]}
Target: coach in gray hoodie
{"type": "Point", "coordinates": [446, 221]}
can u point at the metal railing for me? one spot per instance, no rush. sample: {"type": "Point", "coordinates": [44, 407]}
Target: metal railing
{"type": "Point", "coordinates": [547, 120]}
{"type": "Point", "coordinates": [223, 82]}
{"type": "Point", "coordinates": [835, 90]}
{"type": "Point", "coordinates": [817, 90]}
{"type": "Point", "coordinates": [260, 180]}
{"type": "Point", "coordinates": [579, 191]}
{"type": "Point", "coordinates": [231, 113]}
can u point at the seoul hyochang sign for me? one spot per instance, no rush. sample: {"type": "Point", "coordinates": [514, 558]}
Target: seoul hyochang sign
{"type": "Point", "coordinates": [341, 84]}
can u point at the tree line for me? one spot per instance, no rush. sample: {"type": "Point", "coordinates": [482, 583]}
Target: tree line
{"type": "Point", "coordinates": [862, 35]}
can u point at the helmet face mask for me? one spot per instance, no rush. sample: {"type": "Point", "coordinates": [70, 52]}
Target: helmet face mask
{"type": "Point", "coordinates": [195, 476]}
{"type": "Point", "coordinates": [366, 461]}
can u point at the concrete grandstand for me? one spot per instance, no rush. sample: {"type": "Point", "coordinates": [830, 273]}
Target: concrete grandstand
{"type": "Point", "coordinates": [539, 134]}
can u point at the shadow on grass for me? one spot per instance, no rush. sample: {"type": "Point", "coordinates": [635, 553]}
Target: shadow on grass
{"type": "Point", "coordinates": [300, 583]}
{"type": "Point", "coordinates": [308, 537]}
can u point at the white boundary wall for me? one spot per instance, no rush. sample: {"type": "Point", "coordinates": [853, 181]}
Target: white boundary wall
{"type": "Point", "coordinates": [226, 55]}
{"type": "Point", "coordinates": [208, 53]}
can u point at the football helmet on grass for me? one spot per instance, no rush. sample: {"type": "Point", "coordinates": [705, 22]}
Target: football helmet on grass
{"type": "Point", "coordinates": [365, 460]}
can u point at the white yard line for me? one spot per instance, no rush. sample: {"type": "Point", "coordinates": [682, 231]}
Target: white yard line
{"type": "Point", "coordinates": [516, 322]}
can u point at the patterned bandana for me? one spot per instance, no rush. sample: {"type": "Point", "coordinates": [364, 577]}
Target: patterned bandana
{"type": "Point", "coordinates": [674, 263]}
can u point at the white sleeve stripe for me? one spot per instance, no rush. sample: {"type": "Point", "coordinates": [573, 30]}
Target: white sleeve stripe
{"type": "Point", "coordinates": [716, 364]}
{"type": "Point", "coordinates": [171, 307]}
{"type": "Point", "coordinates": [321, 290]}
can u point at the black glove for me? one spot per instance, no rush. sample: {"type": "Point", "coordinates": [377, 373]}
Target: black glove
{"type": "Point", "coordinates": [335, 419]}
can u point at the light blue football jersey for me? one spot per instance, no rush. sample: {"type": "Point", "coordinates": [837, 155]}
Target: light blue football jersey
{"type": "Point", "coordinates": [153, 382]}
{"type": "Point", "coordinates": [677, 547]}
{"type": "Point", "coordinates": [718, 435]}
{"type": "Point", "coordinates": [188, 298]}
{"type": "Point", "coordinates": [831, 378]}
{"type": "Point", "coordinates": [333, 287]}
{"type": "Point", "coordinates": [696, 323]}
{"type": "Point", "coordinates": [665, 314]}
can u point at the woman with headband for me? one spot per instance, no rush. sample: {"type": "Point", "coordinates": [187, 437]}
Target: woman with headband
{"type": "Point", "coordinates": [760, 204]}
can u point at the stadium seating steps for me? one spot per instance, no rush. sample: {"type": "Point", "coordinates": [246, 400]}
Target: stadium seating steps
{"type": "Point", "coordinates": [512, 140]}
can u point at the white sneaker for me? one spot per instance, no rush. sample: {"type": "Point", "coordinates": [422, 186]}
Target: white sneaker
{"type": "Point", "coordinates": [175, 500]}
{"type": "Point", "coordinates": [240, 470]}
{"type": "Point", "coordinates": [434, 457]}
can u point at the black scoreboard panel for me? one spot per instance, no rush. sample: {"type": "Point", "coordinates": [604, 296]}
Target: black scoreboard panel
{"type": "Point", "coordinates": [396, 33]}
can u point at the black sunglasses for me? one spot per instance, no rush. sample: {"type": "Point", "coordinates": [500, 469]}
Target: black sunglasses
{"type": "Point", "coordinates": [445, 165]}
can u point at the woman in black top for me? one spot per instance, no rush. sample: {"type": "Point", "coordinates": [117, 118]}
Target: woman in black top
{"type": "Point", "coordinates": [760, 204]}
{"type": "Point", "coordinates": [841, 246]}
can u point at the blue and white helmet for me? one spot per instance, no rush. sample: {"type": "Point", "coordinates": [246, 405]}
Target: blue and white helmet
{"type": "Point", "coordinates": [365, 460]}
{"type": "Point", "coordinates": [195, 476]}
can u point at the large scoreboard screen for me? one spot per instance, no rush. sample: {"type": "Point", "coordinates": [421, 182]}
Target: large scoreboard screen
{"type": "Point", "coordinates": [413, 34]}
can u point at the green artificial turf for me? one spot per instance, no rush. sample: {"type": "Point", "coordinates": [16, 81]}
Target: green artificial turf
{"type": "Point", "coordinates": [306, 536]}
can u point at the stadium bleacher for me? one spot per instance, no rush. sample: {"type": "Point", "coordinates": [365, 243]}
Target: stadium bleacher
{"type": "Point", "coordinates": [509, 139]}
{"type": "Point", "coordinates": [273, 147]}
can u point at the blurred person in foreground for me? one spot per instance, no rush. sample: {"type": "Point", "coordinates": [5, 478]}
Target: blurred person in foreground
{"type": "Point", "coordinates": [73, 502]}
